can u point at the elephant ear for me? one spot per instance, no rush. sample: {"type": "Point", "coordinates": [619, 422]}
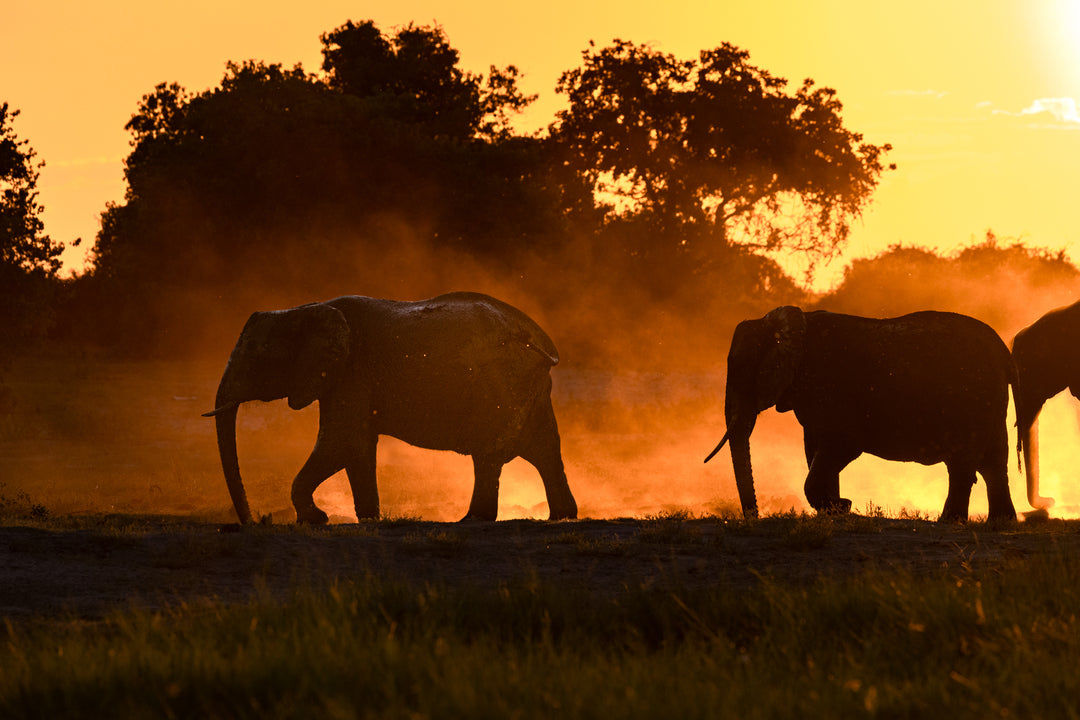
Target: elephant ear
{"type": "Point", "coordinates": [321, 346]}
{"type": "Point", "coordinates": [786, 336]}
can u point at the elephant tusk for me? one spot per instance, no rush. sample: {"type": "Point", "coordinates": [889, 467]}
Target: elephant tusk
{"type": "Point", "coordinates": [217, 411]}
{"type": "Point", "coordinates": [718, 447]}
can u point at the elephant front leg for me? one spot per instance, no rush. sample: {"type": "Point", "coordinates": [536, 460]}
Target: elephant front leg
{"type": "Point", "coordinates": [319, 466]}
{"type": "Point", "coordinates": [485, 498]}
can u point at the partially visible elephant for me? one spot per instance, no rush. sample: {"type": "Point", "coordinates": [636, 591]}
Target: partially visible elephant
{"type": "Point", "coordinates": [1047, 355]}
{"type": "Point", "coordinates": [462, 372]}
{"type": "Point", "coordinates": [927, 387]}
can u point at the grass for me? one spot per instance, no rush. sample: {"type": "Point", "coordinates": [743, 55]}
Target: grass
{"type": "Point", "coordinates": [894, 646]}
{"type": "Point", "coordinates": [998, 641]}
{"type": "Point", "coordinates": [17, 505]}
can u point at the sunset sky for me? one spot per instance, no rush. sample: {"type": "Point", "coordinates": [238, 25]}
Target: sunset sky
{"type": "Point", "coordinates": [977, 97]}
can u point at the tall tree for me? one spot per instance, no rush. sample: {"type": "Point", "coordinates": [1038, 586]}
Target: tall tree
{"type": "Point", "coordinates": [29, 259]}
{"type": "Point", "coordinates": [714, 151]}
{"type": "Point", "coordinates": [301, 182]}
{"type": "Point", "coordinates": [415, 75]}
{"type": "Point", "coordinates": [23, 244]}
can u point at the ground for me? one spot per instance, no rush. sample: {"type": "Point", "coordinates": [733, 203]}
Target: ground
{"type": "Point", "coordinates": [93, 566]}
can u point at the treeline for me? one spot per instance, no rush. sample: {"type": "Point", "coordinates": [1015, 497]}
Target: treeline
{"type": "Point", "coordinates": [641, 212]}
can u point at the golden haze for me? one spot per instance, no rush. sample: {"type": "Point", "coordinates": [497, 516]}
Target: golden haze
{"type": "Point", "coordinates": [974, 99]}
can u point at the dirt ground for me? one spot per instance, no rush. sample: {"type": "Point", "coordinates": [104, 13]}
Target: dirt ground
{"type": "Point", "coordinates": [92, 566]}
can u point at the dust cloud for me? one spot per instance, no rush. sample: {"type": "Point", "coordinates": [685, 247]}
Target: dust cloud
{"type": "Point", "coordinates": [638, 395]}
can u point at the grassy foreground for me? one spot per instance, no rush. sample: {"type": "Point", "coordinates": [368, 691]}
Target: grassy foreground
{"type": "Point", "coordinates": [1001, 641]}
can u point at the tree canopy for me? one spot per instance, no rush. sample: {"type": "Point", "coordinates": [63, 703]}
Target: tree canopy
{"type": "Point", "coordinates": [714, 151]}
{"type": "Point", "coordinates": [29, 259]}
{"type": "Point", "coordinates": [414, 75]}
{"type": "Point", "coordinates": [661, 178]}
{"type": "Point", "coordinates": [284, 178]}
{"type": "Point", "coordinates": [23, 244]}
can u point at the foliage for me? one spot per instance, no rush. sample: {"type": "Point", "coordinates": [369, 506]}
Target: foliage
{"type": "Point", "coordinates": [29, 259]}
{"type": "Point", "coordinates": [714, 151]}
{"type": "Point", "coordinates": [414, 76]}
{"type": "Point", "coordinates": [18, 505]}
{"type": "Point", "coordinates": [287, 180]}
{"type": "Point", "coordinates": [1004, 283]}
{"type": "Point", "coordinates": [22, 244]}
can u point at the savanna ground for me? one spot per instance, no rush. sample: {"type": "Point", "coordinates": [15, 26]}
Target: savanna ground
{"type": "Point", "coordinates": [128, 593]}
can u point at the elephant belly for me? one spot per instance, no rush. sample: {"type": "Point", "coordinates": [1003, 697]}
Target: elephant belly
{"type": "Point", "coordinates": [937, 438]}
{"type": "Point", "coordinates": [466, 417]}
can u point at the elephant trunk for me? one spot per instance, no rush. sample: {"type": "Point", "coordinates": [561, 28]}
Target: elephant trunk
{"type": "Point", "coordinates": [744, 475]}
{"type": "Point", "coordinates": [1028, 431]}
{"type": "Point", "coordinates": [230, 463]}
{"type": "Point", "coordinates": [224, 414]}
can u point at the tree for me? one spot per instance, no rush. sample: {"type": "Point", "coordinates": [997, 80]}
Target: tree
{"type": "Point", "coordinates": [1000, 281]}
{"type": "Point", "coordinates": [22, 242]}
{"type": "Point", "coordinates": [29, 259]}
{"type": "Point", "coordinates": [414, 74]}
{"type": "Point", "coordinates": [714, 152]}
{"type": "Point", "coordinates": [302, 183]}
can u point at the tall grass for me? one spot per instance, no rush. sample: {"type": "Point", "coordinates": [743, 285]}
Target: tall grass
{"type": "Point", "coordinates": [880, 644]}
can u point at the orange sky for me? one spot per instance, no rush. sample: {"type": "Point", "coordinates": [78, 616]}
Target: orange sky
{"type": "Point", "coordinates": [976, 96]}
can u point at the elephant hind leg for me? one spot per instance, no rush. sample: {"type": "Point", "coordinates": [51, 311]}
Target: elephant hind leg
{"type": "Point", "coordinates": [995, 472]}
{"type": "Point", "coordinates": [961, 480]}
{"type": "Point", "coordinates": [542, 448]}
{"type": "Point", "coordinates": [361, 472]}
{"type": "Point", "coordinates": [485, 498]}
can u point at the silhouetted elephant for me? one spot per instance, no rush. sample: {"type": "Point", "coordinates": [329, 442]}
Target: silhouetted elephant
{"type": "Point", "coordinates": [462, 372]}
{"type": "Point", "coordinates": [928, 387]}
{"type": "Point", "coordinates": [1047, 355]}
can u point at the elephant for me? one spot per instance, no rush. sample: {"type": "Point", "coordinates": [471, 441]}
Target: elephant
{"type": "Point", "coordinates": [461, 371]}
{"type": "Point", "coordinates": [1047, 356]}
{"type": "Point", "coordinates": [927, 387]}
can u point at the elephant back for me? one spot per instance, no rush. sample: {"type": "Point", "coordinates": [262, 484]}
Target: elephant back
{"type": "Point", "coordinates": [507, 321]}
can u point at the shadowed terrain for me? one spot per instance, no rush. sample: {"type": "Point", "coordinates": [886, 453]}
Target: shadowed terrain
{"type": "Point", "coordinates": [92, 566]}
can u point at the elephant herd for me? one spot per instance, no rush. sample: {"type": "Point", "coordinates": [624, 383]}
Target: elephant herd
{"type": "Point", "coordinates": [469, 373]}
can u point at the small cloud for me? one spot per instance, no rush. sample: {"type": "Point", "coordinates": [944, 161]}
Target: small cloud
{"type": "Point", "coordinates": [1062, 110]}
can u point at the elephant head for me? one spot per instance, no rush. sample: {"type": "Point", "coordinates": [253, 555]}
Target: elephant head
{"type": "Point", "coordinates": [764, 357]}
{"type": "Point", "coordinates": [297, 353]}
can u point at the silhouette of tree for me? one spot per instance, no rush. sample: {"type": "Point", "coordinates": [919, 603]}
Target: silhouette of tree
{"type": "Point", "coordinates": [414, 77]}
{"type": "Point", "coordinates": [22, 242]}
{"type": "Point", "coordinates": [289, 180]}
{"type": "Point", "coordinates": [1006, 284]}
{"type": "Point", "coordinates": [29, 259]}
{"type": "Point", "coordinates": [713, 152]}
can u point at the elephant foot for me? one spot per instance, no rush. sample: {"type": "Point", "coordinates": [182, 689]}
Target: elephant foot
{"type": "Point", "coordinates": [562, 511]}
{"type": "Point", "coordinates": [311, 516]}
{"type": "Point", "coordinates": [478, 517]}
{"type": "Point", "coordinates": [1035, 516]}
{"type": "Point", "coordinates": [839, 506]}
{"type": "Point", "coordinates": [949, 516]}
